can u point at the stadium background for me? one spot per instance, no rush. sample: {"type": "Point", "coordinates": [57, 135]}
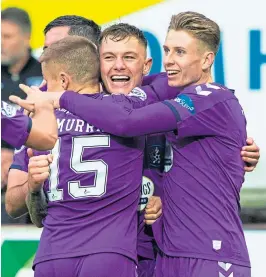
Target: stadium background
{"type": "Point", "coordinates": [240, 64]}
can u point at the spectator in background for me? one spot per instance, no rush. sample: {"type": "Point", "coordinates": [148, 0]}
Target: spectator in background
{"type": "Point", "coordinates": [17, 66]}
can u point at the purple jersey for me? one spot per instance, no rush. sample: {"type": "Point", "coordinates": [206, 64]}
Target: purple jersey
{"type": "Point", "coordinates": [151, 185]}
{"type": "Point", "coordinates": [93, 190]}
{"type": "Point", "coordinates": [201, 189]}
{"type": "Point", "coordinates": [155, 88]}
{"type": "Point", "coordinates": [147, 80]}
{"type": "Point", "coordinates": [15, 125]}
{"type": "Point", "coordinates": [203, 182]}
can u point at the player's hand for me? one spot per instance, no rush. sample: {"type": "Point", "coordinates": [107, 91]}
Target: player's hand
{"type": "Point", "coordinates": [153, 210]}
{"type": "Point", "coordinates": [250, 154]}
{"type": "Point", "coordinates": [34, 94]}
{"type": "Point", "coordinates": [25, 104]}
{"type": "Point", "coordinates": [38, 170]}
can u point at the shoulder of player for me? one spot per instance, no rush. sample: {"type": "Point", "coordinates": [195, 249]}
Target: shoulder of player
{"type": "Point", "coordinates": [212, 90]}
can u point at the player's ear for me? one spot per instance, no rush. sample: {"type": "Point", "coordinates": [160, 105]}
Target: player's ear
{"type": "Point", "coordinates": [147, 66]}
{"type": "Point", "coordinates": [208, 59]}
{"type": "Point", "coordinates": [64, 80]}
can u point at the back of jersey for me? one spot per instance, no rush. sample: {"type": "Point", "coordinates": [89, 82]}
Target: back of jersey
{"type": "Point", "coordinates": [93, 192]}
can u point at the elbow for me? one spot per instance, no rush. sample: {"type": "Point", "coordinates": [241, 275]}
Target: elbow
{"type": "Point", "coordinates": [51, 140]}
{"type": "Point", "coordinates": [13, 212]}
{"type": "Point", "coordinates": [48, 142]}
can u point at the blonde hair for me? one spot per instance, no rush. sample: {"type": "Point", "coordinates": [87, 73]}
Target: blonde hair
{"type": "Point", "coordinates": [199, 26]}
{"type": "Point", "coordinates": [77, 56]}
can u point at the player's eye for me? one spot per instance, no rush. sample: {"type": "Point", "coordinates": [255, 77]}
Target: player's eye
{"type": "Point", "coordinates": [108, 58]}
{"type": "Point", "coordinates": [129, 57]}
{"type": "Point", "coordinates": [166, 50]}
{"type": "Point", "coordinates": [180, 52]}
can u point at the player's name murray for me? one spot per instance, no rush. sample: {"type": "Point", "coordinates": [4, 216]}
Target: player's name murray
{"type": "Point", "coordinates": [76, 125]}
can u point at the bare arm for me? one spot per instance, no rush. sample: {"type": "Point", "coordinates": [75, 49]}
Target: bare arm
{"type": "Point", "coordinates": [17, 190]}
{"type": "Point", "coordinates": [43, 134]}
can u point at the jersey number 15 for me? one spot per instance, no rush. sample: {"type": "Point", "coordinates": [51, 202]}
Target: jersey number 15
{"type": "Point", "coordinates": [99, 167]}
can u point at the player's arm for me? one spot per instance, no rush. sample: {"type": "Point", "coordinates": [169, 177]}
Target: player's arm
{"type": "Point", "coordinates": [17, 190]}
{"type": "Point", "coordinates": [18, 129]}
{"type": "Point", "coordinates": [115, 119]}
{"type": "Point", "coordinates": [43, 133]}
{"type": "Point", "coordinates": [191, 114]}
{"type": "Point", "coordinates": [17, 184]}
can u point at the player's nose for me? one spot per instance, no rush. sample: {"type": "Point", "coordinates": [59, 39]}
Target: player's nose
{"type": "Point", "coordinates": [119, 64]}
{"type": "Point", "coordinates": [168, 60]}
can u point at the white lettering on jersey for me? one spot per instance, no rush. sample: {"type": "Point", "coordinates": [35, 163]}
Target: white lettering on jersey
{"type": "Point", "coordinates": [147, 190]}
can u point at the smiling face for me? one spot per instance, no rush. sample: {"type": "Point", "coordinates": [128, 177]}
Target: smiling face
{"type": "Point", "coordinates": [123, 64]}
{"type": "Point", "coordinates": [183, 59]}
{"type": "Point", "coordinates": [186, 60]}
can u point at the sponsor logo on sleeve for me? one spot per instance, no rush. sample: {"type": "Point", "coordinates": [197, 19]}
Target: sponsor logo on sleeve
{"type": "Point", "coordinates": [186, 102]}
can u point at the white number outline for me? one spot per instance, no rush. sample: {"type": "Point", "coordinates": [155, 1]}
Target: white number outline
{"type": "Point", "coordinates": [75, 190]}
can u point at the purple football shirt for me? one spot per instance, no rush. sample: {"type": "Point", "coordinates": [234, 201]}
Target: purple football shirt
{"type": "Point", "coordinates": [201, 189]}
{"type": "Point", "coordinates": [15, 125]}
{"type": "Point", "coordinates": [93, 189]}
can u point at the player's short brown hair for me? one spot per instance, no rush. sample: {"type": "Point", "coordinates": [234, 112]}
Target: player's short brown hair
{"type": "Point", "coordinates": [121, 31]}
{"type": "Point", "coordinates": [199, 26]}
{"type": "Point", "coordinates": [77, 56]}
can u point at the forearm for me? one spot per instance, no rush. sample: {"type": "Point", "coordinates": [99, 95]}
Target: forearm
{"type": "Point", "coordinates": [15, 200]}
{"type": "Point", "coordinates": [37, 207]}
{"type": "Point", "coordinates": [116, 120]}
{"type": "Point", "coordinates": [44, 132]}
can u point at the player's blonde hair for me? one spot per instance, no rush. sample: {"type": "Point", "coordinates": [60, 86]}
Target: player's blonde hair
{"type": "Point", "coordinates": [75, 55]}
{"type": "Point", "coordinates": [199, 26]}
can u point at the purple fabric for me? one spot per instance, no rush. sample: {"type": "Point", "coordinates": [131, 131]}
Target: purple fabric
{"type": "Point", "coordinates": [180, 267]}
{"type": "Point", "coordinates": [15, 125]}
{"type": "Point", "coordinates": [202, 185]}
{"type": "Point", "coordinates": [120, 121]}
{"type": "Point", "coordinates": [91, 218]}
{"type": "Point", "coordinates": [98, 265]}
{"type": "Point", "coordinates": [146, 268]}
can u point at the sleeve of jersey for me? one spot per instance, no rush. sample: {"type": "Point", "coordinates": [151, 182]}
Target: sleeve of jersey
{"type": "Point", "coordinates": [120, 120]}
{"type": "Point", "coordinates": [20, 160]}
{"type": "Point", "coordinates": [198, 115]}
{"type": "Point", "coordinates": [158, 89]}
{"type": "Point", "coordinates": [16, 129]}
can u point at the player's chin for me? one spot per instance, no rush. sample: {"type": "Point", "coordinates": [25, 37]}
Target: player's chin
{"type": "Point", "coordinates": [122, 87]}
{"type": "Point", "coordinates": [174, 83]}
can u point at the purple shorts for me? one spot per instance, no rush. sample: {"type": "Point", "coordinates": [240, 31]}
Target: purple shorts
{"type": "Point", "coordinates": [189, 267]}
{"type": "Point", "coordinates": [146, 268]}
{"type": "Point", "coordinates": [100, 265]}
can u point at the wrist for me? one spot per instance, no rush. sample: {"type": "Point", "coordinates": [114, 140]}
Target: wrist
{"type": "Point", "coordinates": [35, 188]}
{"type": "Point", "coordinates": [44, 105]}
